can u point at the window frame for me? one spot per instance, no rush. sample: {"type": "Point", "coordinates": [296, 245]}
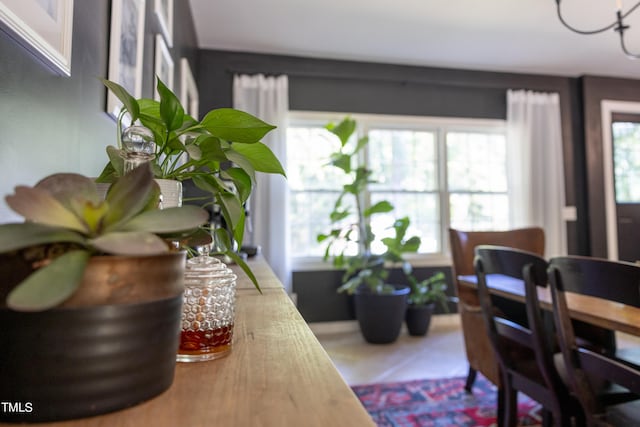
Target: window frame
{"type": "Point", "coordinates": [439, 126]}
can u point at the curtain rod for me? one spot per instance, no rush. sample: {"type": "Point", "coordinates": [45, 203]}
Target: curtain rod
{"type": "Point", "coordinates": [371, 78]}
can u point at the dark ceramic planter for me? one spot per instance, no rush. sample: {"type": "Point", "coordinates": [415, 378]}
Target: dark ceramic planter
{"type": "Point", "coordinates": [76, 361]}
{"type": "Point", "coordinates": [418, 319]}
{"type": "Point", "coordinates": [380, 316]}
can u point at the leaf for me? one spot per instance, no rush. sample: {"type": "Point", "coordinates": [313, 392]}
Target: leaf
{"type": "Point", "coordinates": [130, 243]}
{"type": "Point", "coordinates": [342, 161]}
{"type": "Point", "coordinates": [128, 196]}
{"type": "Point", "coordinates": [235, 125]}
{"type": "Point", "coordinates": [211, 148]}
{"type": "Point", "coordinates": [336, 216]}
{"type": "Point", "coordinates": [70, 189]}
{"type": "Point", "coordinates": [362, 142]}
{"type": "Point", "coordinates": [233, 214]}
{"type": "Point", "coordinates": [77, 194]}
{"type": "Point", "coordinates": [241, 180]}
{"type": "Point", "coordinates": [170, 220]}
{"type": "Point", "coordinates": [116, 160]}
{"type": "Point", "coordinates": [171, 110]}
{"type": "Point", "coordinates": [261, 157]}
{"type": "Point", "coordinates": [343, 130]}
{"type": "Point", "coordinates": [128, 101]}
{"type": "Point", "coordinates": [243, 265]}
{"type": "Point", "coordinates": [243, 162]}
{"type": "Point", "coordinates": [50, 285]}
{"type": "Point", "coordinates": [39, 206]}
{"type": "Point", "coordinates": [193, 151]}
{"type": "Point", "coordinates": [108, 174]}
{"type": "Point", "coordinates": [380, 207]}
{"type": "Point", "coordinates": [27, 234]}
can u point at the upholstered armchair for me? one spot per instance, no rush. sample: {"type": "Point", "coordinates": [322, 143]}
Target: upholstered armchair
{"type": "Point", "coordinates": [478, 348]}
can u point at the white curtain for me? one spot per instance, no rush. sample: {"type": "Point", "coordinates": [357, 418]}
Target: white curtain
{"type": "Point", "coordinates": [535, 166]}
{"type": "Point", "coordinates": [268, 99]}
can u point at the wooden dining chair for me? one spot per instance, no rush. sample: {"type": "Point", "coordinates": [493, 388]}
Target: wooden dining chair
{"type": "Point", "coordinates": [524, 350]}
{"type": "Point", "coordinates": [591, 369]}
{"type": "Point", "coordinates": [480, 354]}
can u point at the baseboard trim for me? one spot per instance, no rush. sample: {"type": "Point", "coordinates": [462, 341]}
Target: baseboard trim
{"type": "Point", "coordinates": [345, 326]}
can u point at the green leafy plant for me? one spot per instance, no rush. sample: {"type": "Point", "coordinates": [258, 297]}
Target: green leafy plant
{"type": "Point", "coordinates": [365, 268]}
{"type": "Point", "coordinates": [430, 290]}
{"type": "Point", "coordinates": [223, 148]}
{"type": "Point", "coordinates": [221, 154]}
{"type": "Point", "coordinates": [66, 208]}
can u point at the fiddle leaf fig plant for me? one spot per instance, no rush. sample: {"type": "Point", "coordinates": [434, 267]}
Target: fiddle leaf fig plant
{"type": "Point", "coordinates": [66, 208]}
{"type": "Point", "coordinates": [365, 268]}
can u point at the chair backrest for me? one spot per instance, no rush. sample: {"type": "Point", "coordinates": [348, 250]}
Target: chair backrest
{"type": "Point", "coordinates": [596, 277]}
{"type": "Point", "coordinates": [505, 328]}
{"type": "Point", "coordinates": [463, 244]}
{"type": "Point", "coordinates": [608, 280]}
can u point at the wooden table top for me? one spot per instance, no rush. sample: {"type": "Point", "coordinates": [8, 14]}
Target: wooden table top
{"type": "Point", "coordinates": [277, 374]}
{"type": "Point", "coordinates": [607, 314]}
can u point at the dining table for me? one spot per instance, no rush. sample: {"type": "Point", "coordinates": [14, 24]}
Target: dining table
{"type": "Point", "coordinates": [596, 311]}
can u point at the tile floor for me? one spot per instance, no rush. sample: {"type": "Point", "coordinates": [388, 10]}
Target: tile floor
{"type": "Point", "coordinates": [440, 354]}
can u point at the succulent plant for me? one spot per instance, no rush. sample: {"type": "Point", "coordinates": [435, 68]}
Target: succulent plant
{"type": "Point", "coordinates": [66, 208]}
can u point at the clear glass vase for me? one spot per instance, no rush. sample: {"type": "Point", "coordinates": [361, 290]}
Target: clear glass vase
{"type": "Point", "coordinates": [209, 310]}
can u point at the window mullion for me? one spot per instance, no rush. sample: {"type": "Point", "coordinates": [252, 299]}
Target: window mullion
{"type": "Point", "coordinates": [443, 187]}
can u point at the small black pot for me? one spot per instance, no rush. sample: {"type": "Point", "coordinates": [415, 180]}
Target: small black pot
{"type": "Point", "coordinates": [418, 318]}
{"type": "Point", "coordinates": [380, 316]}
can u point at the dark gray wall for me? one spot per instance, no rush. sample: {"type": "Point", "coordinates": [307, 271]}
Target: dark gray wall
{"type": "Point", "coordinates": [359, 87]}
{"type": "Point", "coordinates": [50, 123]}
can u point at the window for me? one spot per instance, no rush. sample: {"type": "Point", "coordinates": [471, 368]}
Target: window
{"type": "Point", "coordinates": [626, 159]}
{"type": "Point", "coordinates": [438, 172]}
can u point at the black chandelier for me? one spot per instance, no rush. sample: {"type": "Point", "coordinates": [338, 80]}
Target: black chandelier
{"type": "Point", "coordinates": [617, 25]}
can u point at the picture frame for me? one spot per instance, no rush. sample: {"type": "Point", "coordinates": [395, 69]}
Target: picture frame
{"type": "Point", "coordinates": [126, 49]}
{"type": "Point", "coordinates": [43, 27]}
{"type": "Point", "coordinates": [188, 89]}
{"type": "Point", "coordinates": [164, 12]}
{"type": "Point", "coordinates": [163, 65]}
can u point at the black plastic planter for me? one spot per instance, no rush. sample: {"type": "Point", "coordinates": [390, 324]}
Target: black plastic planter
{"type": "Point", "coordinates": [418, 319]}
{"type": "Point", "coordinates": [380, 316]}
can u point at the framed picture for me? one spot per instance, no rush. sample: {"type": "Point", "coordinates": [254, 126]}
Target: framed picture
{"type": "Point", "coordinates": [125, 49]}
{"type": "Point", "coordinates": [44, 27]}
{"type": "Point", "coordinates": [164, 13]}
{"type": "Point", "coordinates": [164, 65]}
{"type": "Point", "coordinates": [188, 89]}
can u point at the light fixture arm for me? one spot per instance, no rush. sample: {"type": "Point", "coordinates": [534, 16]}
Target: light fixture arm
{"type": "Point", "coordinates": [617, 25]}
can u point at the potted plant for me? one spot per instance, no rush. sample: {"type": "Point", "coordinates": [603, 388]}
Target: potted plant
{"type": "Point", "coordinates": [91, 296]}
{"type": "Point", "coordinates": [423, 297]}
{"type": "Point", "coordinates": [379, 306]}
{"type": "Point", "coordinates": [221, 154]}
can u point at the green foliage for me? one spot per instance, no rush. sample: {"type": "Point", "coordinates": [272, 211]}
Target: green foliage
{"type": "Point", "coordinates": [364, 269]}
{"type": "Point", "coordinates": [430, 290]}
{"type": "Point", "coordinates": [67, 208]}
{"type": "Point", "coordinates": [199, 150]}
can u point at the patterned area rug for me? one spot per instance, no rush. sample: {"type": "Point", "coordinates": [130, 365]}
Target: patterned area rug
{"type": "Point", "coordinates": [439, 402]}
